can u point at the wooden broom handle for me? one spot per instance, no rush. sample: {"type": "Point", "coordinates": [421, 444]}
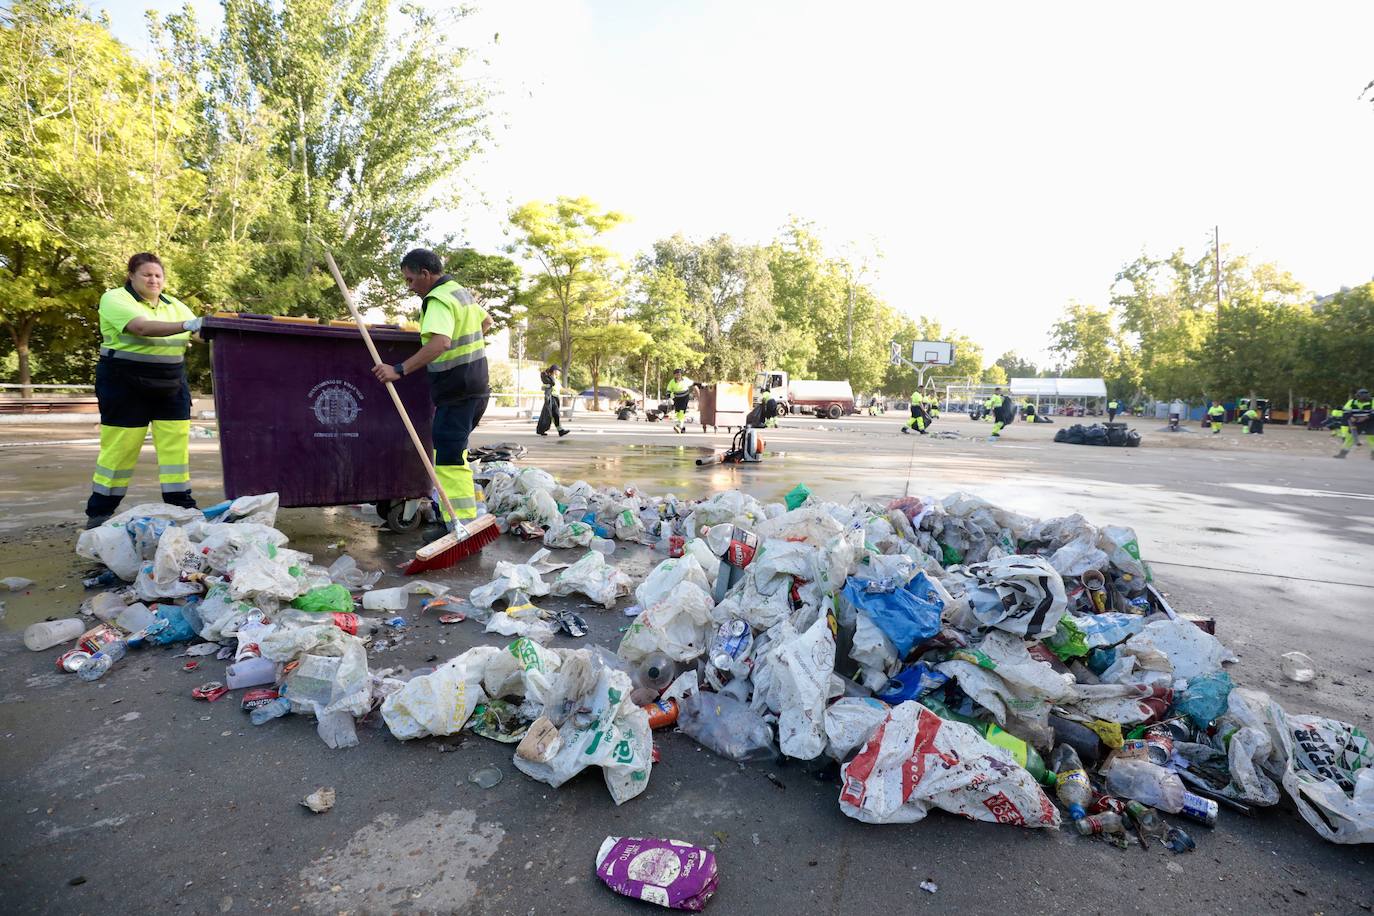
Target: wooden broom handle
{"type": "Point", "coordinates": [391, 389]}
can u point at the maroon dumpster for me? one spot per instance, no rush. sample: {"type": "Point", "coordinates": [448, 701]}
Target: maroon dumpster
{"type": "Point", "coordinates": [301, 414]}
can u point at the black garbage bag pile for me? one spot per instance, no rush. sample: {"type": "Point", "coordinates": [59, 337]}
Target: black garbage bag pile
{"type": "Point", "coordinates": [1115, 434]}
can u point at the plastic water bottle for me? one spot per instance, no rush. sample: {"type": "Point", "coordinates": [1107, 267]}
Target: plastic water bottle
{"type": "Point", "coordinates": [1146, 783]}
{"type": "Point", "coordinates": [603, 546]}
{"type": "Point", "coordinates": [1100, 823]}
{"type": "Point", "coordinates": [102, 661]}
{"type": "Point", "coordinates": [1071, 781]}
{"type": "Point", "coordinates": [656, 672]}
{"type": "Point", "coordinates": [269, 711]}
{"type": "Point", "coordinates": [1147, 820]}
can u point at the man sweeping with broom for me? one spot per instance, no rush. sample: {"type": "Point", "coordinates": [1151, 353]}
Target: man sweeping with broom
{"type": "Point", "coordinates": [454, 357]}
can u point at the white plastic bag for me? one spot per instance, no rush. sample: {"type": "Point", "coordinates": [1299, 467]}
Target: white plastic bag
{"type": "Point", "coordinates": [850, 722]}
{"type": "Point", "coordinates": [255, 575]}
{"type": "Point", "coordinates": [521, 620]}
{"type": "Point", "coordinates": [1019, 594]}
{"type": "Point", "coordinates": [874, 652]}
{"type": "Point", "coordinates": [679, 626]}
{"type": "Point", "coordinates": [439, 703]}
{"type": "Point", "coordinates": [666, 576]}
{"type": "Point", "coordinates": [801, 676]}
{"type": "Point", "coordinates": [570, 534]}
{"type": "Point", "coordinates": [336, 663]}
{"type": "Point", "coordinates": [510, 578]}
{"type": "Point", "coordinates": [257, 510]}
{"type": "Point", "coordinates": [1326, 760]}
{"type": "Point", "coordinates": [1191, 651]}
{"type": "Point", "coordinates": [613, 734]}
{"type": "Point", "coordinates": [916, 761]}
{"type": "Point", "coordinates": [530, 480]}
{"type": "Point", "coordinates": [593, 577]}
{"type": "Point", "coordinates": [221, 543]}
{"type": "Point", "coordinates": [811, 524]}
{"type": "Point", "coordinates": [1000, 675]}
{"type": "Point", "coordinates": [1123, 549]}
{"type": "Point", "coordinates": [175, 556]}
{"type": "Point", "coordinates": [111, 545]}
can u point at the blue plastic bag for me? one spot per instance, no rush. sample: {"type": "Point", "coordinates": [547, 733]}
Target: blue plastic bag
{"type": "Point", "coordinates": [907, 615]}
{"type": "Point", "coordinates": [912, 682]}
{"type": "Point", "coordinates": [178, 628]}
{"type": "Point", "coordinates": [1205, 699]}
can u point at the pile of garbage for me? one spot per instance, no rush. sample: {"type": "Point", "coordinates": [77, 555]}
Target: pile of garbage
{"type": "Point", "coordinates": [1113, 434]}
{"type": "Point", "coordinates": [941, 654]}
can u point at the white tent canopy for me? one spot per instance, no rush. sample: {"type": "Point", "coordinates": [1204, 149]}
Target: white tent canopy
{"type": "Point", "coordinates": [1059, 387]}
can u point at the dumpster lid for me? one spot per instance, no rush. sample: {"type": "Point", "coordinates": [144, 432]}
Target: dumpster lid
{"type": "Point", "coordinates": [304, 327]}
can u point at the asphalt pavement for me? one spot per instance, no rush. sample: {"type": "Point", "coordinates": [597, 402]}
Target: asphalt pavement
{"type": "Point", "coordinates": [128, 795]}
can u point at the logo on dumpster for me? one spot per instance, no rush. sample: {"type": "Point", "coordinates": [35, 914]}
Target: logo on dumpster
{"type": "Point", "coordinates": [335, 404]}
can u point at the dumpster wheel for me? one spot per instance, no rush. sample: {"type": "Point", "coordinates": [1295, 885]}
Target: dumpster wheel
{"type": "Point", "coordinates": [393, 514]}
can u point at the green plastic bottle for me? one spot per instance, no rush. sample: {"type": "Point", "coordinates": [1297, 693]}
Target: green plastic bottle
{"type": "Point", "coordinates": [1025, 755]}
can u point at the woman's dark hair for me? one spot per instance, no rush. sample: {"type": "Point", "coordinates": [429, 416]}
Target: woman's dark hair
{"type": "Point", "coordinates": [418, 259]}
{"type": "Point", "coordinates": [143, 257]}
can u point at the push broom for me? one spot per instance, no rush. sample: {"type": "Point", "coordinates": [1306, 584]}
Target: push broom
{"type": "Point", "coordinates": [462, 540]}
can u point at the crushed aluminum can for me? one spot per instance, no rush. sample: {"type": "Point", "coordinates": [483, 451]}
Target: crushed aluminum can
{"type": "Point", "coordinates": [258, 696]}
{"type": "Point", "coordinates": [192, 665]}
{"type": "Point", "coordinates": [452, 618]}
{"type": "Point", "coordinates": [676, 545]}
{"type": "Point", "coordinates": [72, 659]}
{"type": "Point", "coordinates": [210, 691]}
{"type": "Point", "coordinates": [743, 545]}
{"type": "Point", "coordinates": [1159, 745]}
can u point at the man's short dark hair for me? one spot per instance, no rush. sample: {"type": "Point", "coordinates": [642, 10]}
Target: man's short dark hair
{"type": "Point", "coordinates": [418, 259]}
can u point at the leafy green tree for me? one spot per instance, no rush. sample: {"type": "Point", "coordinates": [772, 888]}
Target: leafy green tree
{"type": "Point", "coordinates": [602, 342]}
{"type": "Point", "coordinates": [730, 291]}
{"type": "Point", "coordinates": [994, 375]}
{"type": "Point", "coordinates": [1088, 344]}
{"type": "Point", "coordinates": [1014, 366]}
{"type": "Point", "coordinates": [370, 131]}
{"type": "Point", "coordinates": [662, 311]}
{"type": "Point", "coordinates": [493, 280]}
{"type": "Point", "coordinates": [90, 166]}
{"type": "Point", "coordinates": [1336, 345]}
{"type": "Point", "coordinates": [577, 279]}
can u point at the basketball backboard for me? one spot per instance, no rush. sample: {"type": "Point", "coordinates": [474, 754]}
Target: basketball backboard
{"type": "Point", "coordinates": [932, 353]}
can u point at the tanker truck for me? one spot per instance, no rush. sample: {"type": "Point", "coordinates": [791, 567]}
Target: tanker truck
{"type": "Point", "coordinates": [822, 397]}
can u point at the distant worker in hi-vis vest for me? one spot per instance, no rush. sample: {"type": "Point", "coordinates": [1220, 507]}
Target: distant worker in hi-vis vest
{"type": "Point", "coordinates": [141, 380]}
{"type": "Point", "coordinates": [453, 353]}
{"type": "Point", "coordinates": [1216, 415]}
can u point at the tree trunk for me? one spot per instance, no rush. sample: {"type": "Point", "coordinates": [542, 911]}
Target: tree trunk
{"type": "Point", "coordinates": [596, 383]}
{"type": "Point", "coordinates": [644, 389]}
{"type": "Point", "coordinates": [21, 333]}
{"type": "Point", "coordinates": [1290, 407]}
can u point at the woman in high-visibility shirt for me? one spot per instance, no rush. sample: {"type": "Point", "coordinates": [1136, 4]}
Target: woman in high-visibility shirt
{"type": "Point", "coordinates": [141, 379]}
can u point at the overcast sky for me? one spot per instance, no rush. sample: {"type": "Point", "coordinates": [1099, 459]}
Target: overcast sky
{"type": "Point", "coordinates": [1005, 158]}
